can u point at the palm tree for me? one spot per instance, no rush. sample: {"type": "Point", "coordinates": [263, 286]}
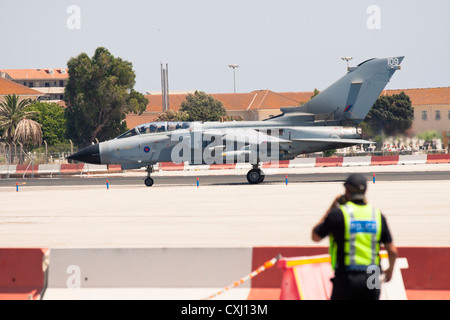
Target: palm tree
{"type": "Point", "coordinates": [16, 122]}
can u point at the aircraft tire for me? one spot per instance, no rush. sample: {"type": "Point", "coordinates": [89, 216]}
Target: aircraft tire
{"type": "Point", "coordinates": [262, 176]}
{"type": "Point", "coordinates": [149, 182]}
{"type": "Point", "coordinates": [254, 176]}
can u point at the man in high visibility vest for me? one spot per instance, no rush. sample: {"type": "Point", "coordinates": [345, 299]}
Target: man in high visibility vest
{"type": "Point", "coordinates": [355, 229]}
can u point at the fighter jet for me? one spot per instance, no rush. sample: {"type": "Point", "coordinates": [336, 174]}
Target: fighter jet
{"type": "Point", "coordinates": [327, 121]}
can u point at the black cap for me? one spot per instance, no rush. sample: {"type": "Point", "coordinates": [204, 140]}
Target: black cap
{"type": "Point", "coordinates": [357, 181]}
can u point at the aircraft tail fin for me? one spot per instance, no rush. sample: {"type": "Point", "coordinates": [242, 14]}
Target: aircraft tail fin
{"type": "Point", "coordinates": [349, 100]}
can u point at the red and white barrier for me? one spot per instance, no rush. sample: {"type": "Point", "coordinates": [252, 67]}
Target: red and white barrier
{"type": "Point", "coordinates": [149, 273]}
{"type": "Point", "coordinates": [318, 162]}
{"type": "Point", "coordinates": [73, 169]}
{"type": "Point", "coordinates": [22, 273]}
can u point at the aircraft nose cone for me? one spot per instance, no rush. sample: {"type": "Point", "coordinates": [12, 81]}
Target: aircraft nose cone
{"type": "Point", "coordinates": [89, 154]}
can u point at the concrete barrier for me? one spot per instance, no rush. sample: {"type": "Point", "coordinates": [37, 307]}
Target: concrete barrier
{"type": "Point", "coordinates": [384, 160]}
{"type": "Point", "coordinates": [224, 166]}
{"type": "Point", "coordinates": [114, 168]}
{"type": "Point", "coordinates": [423, 271]}
{"type": "Point", "coordinates": [194, 273]}
{"type": "Point", "coordinates": [191, 167]}
{"type": "Point", "coordinates": [438, 158]}
{"type": "Point", "coordinates": [302, 163]}
{"type": "Point", "coordinates": [51, 169]}
{"type": "Point", "coordinates": [357, 161]}
{"type": "Point", "coordinates": [243, 166]}
{"type": "Point", "coordinates": [27, 169]}
{"type": "Point", "coordinates": [22, 273]}
{"type": "Point", "coordinates": [276, 164]}
{"type": "Point", "coordinates": [329, 162]}
{"type": "Point", "coordinates": [142, 273]}
{"type": "Point", "coordinates": [413, 159]}
{"type": "Point", "coordinates": [170, 166]}
{"type": "Point", "coordinates": [73, 169]}
{"type": "Point", "coordinates": [7, 169]}
{"type": "Point", "coordinates": [428, 268]}
{"type": "Point", "coordinates": [96, 168]}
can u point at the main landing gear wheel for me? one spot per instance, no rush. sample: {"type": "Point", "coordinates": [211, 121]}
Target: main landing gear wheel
{"type": "Point", "coordinates": [262, 176]}
{"type": "Point", "coordinates": [255, 176]}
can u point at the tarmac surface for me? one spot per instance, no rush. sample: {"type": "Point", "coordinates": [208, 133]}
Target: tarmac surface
{"type": "Point", "coordinates": [224, 212]}
{"type": "Point", "coordinates": [189, 179]}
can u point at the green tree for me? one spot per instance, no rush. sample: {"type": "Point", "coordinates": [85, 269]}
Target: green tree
{"type": "Point", "coordinates": [203, 107]}
{"type": "Point", "coordinates": [315, 93]}
{"type": "Point", "coordinates": [231, 118]}
{"type": "Point", "coordinates": [51, 118]}
{"type": "Point", "coordinates": [429, 135]}
{"type": "Point", "coordinates": [17, 123]}
{"type": "Point", "coordinates": [390, 115]}
{"type": "Point", "coordinates": [98, 94]}
{"type": "Point", "coordinates": [170, 115]}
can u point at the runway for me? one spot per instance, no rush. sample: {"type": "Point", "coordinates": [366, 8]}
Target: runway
{"type": "Point", "coordinates": [183, 179]}
{"type": "Point", "coordinates": [224, 211]}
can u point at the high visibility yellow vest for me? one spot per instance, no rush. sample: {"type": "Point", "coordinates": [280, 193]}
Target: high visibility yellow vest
{"type": "Point", "coordinates": [361, 237]}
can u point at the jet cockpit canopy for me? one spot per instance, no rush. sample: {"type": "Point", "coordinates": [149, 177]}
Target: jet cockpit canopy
{"type": "Point", "coordinates": [154, 127]}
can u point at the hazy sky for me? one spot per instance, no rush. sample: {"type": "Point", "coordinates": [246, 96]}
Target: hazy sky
{"type": "Point", "coordinates": [281, 45]}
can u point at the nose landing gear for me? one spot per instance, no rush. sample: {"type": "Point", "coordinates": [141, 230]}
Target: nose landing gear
{"type": "Point", "coordinates": [149, 181]}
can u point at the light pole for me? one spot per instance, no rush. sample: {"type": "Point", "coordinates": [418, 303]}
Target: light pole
{"type": "Point", "coordinates": [347, 59]}
{"type": "Point", "coordinates": [234, 66]}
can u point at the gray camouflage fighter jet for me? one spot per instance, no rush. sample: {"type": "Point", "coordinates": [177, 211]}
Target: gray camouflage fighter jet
{"type": "Point", "coordinates": [328, 121]}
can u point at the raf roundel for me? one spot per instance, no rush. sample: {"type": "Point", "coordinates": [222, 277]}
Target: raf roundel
{"type": "Point", "coordinates": [147, 149]}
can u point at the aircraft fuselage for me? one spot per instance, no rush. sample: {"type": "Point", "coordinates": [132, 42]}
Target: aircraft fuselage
{"type": "Point", "coordinates": [207, 141]}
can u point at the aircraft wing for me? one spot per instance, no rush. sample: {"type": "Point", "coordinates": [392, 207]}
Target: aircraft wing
{"type": "Point", "coordinates": [335, 140]}
{"type": "Point", "coordinates": [253, 137]}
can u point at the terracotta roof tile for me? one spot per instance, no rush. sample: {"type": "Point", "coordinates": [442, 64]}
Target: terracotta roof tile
{"type": "Point", "coordinates": [425, 96]}
{"type": "Point", "coordinates": [155, 102]}
{"type": "Point", "coordinates": [134, 120]}
{"type": "Point", "coordinates": [36, 74]}
{"type": "Point", "coordinates": [256, 100]}
{"type": "Point", "coordinates": [10, 87]}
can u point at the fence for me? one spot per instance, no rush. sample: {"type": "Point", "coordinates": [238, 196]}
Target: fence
{"type": "Point", "coordinates": [33, 158]}
{"type": "Point", "coordinates": [19, 154]}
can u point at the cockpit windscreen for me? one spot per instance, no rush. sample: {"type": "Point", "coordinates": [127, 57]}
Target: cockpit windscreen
{"type": "Point", "coordinates": [154, 127]}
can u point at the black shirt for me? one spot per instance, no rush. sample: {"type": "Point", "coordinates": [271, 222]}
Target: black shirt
{"type": "Point", "coordinates": [334, 224]}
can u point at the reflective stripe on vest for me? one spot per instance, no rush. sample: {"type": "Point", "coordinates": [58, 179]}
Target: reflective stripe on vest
{"type": "Point", "coordinates": [362, 236]}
